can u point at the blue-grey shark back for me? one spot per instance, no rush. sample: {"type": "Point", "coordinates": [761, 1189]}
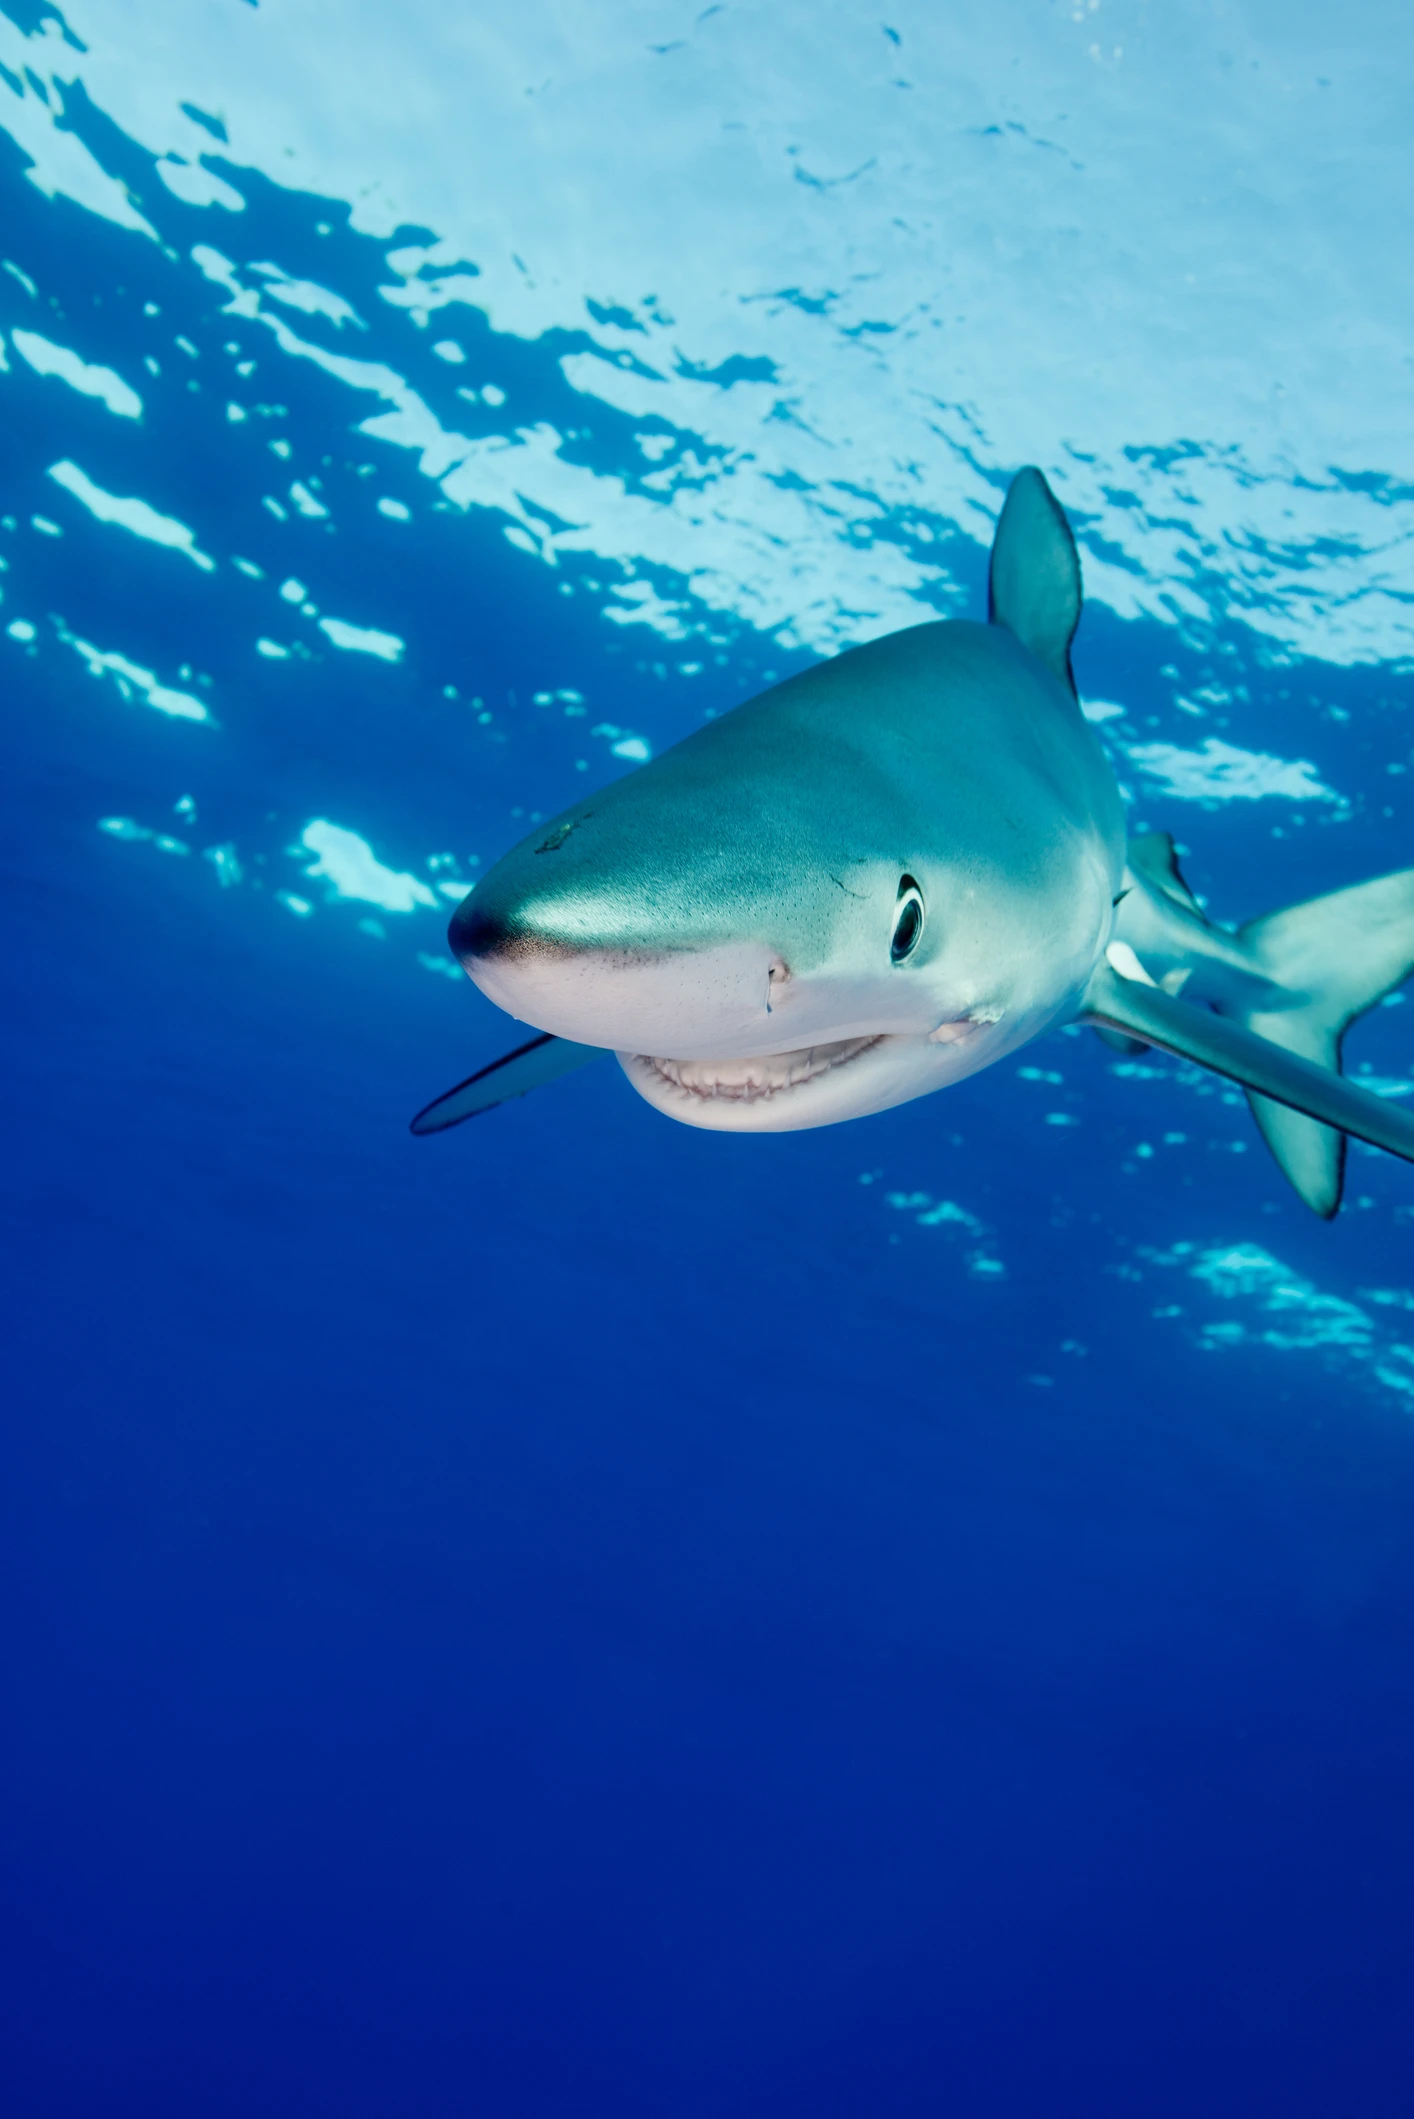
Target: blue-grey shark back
{"type": "Point", "coordinates": [890, 871]}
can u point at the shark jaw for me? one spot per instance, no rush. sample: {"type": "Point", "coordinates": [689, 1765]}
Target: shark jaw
{"type": "Point", "coordinates": [748, 1080]}
{"type": "Point", "coordinates": [816, 1085]}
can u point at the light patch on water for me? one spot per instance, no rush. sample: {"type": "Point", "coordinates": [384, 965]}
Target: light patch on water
{"type": "Point", "coordinates": [307, 296]}
{"type": "Point", "coordinates": [930, 1213]}
{"type": "Point", "coordinates": [622, 741]}
{"type": "Point", "coordinates": [363, 639]}
{"type": "Point", "coordinates": [443, 966]}
{"type": "Point", "coordinates": [526, 478]}
{"type": "Point", "coordinates": [87, 378]}
{"type": "Point", "coordinates": [1220, 772]}
{"type": "Point", "coordinates": [196, 185]}
{"type": "Point", "coordinates": [1101, 709]}
{"type": "Point", "coordinates": [60, 166]}
{"type": "Point", "coordinates": [226, 863]}
{"type": "Point", "coordinates": [133, 833]}
{"type": "Point", "coordinates": [133, 515]}
{"type": "Point", "coordinates": [349, 864]}
{"type": "Point", "coordinates": [409, 423]}
{"type": "Point", "coordinates": [1307, 1318]}
{"type": "Point", "coordinates": [134, 682]}
{"type": "Point", "coordinates": [1270, 1305]}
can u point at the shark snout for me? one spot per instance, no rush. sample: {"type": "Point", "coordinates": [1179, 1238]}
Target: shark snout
{"type": "Point", "coordinates": [480, 929]}
{"type": "Point", "coordinates": [643, 995]}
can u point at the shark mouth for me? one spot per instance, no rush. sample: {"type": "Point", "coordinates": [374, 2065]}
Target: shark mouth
{"type": "Point", "coordinates": [750, 1081]}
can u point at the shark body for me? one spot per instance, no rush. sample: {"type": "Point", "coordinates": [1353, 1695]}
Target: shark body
{"type": "Point", "coordinates": [892, 871]}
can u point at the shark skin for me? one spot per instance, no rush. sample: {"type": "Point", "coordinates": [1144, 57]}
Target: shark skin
{"type": "Point", "coordinates": [896, 869]}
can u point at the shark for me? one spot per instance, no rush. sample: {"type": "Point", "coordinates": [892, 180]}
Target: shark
{"type": "Point", "coordinates": [900, 867]}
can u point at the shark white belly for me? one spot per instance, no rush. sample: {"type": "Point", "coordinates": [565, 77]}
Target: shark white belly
{"type": "Point", "coordinates": [891, 871]}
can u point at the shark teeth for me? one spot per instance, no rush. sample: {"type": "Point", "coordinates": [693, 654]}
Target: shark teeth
{"type": "Point", "coordinates": [746, 1081]}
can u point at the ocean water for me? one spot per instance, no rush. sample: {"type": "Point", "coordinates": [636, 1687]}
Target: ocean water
{"type": "Point", "coordinates": [583, 1615]}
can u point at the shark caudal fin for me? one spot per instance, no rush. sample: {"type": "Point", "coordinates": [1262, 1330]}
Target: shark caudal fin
{"type": "Point", "coordinates": [1268, 1071]}
{"type": "Point", "coordinates": [1295, 982]}
{"type": "Point", "coordinates": [1332, 958]}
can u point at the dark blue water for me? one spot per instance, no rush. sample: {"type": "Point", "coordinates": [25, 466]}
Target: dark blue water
{"type": "Point", "coordinates": [582, 1615]}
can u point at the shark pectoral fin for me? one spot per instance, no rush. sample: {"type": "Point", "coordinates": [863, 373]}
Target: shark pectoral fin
{"type": "Point", "coordinates": [529, 1067]}
{"type": "Point", "coordinates": [1225, 1047]}
{"type": "Point", "coordinates": [1034, 584]}
{"type": "Point", "coordinates": [1118, 1042]}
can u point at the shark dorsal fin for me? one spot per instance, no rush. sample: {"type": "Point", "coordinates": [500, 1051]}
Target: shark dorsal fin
{"type": "Point", "coordinates": [1034, 586]}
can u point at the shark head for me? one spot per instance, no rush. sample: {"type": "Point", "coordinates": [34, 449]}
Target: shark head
{"type": "Point", "coordinates": [845, 894]}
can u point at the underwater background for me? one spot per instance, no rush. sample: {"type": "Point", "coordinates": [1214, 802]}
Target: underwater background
{"type": "Point", "coordinates": [582, 1614]}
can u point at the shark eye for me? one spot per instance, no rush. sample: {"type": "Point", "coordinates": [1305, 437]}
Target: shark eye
{"type": "Point", "coordinates": [908, 920]}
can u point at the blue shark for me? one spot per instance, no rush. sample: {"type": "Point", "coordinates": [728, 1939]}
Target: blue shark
{"type": "Point", "coordinates": [900, 867]}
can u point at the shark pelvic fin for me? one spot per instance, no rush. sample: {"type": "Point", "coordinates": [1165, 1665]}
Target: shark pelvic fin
{"type": "Point", "coordinates": [1034, 583]}
{"type": "Point", "coordinates": [516, 1073]}
{"type": "Point", "coordinates": [1154, 856]}
{"type": "Point", "coordinates": [1269, 1072]}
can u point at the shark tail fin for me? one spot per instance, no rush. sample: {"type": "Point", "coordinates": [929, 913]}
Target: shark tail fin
{"type": "Point", "coordinates": [1333, 958]}
{"type": "Point", "coordinates": [1272, 1072]}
